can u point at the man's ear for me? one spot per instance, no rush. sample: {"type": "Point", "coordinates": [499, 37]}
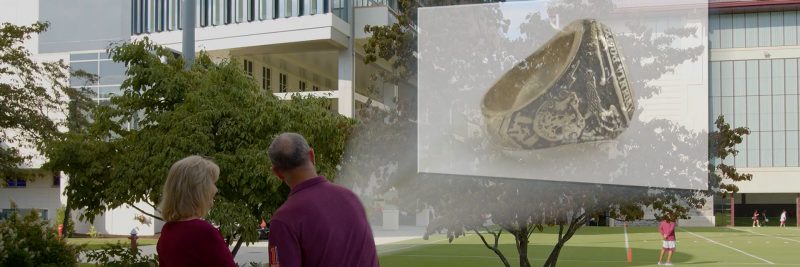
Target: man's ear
{"type": "Point", "coordinates": [311, 156]}
{"type": "Point", "coordinates": [278, 173]}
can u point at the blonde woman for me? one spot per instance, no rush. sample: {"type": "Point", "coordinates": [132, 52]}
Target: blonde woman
{"type": "Point", "coordinates": [186, 239]}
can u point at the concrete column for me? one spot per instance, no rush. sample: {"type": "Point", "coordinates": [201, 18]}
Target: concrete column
{"type": "Point", "coordinates": [733, 208]}
{"type": "Point", "coordinates": [347, 75]}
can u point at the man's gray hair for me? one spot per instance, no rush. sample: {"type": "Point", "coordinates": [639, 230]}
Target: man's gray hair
{"type": "Point", "coordinates": [288, 151]}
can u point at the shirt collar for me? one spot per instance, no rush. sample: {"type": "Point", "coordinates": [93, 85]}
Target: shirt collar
{"type": "Point", "coordinates": [308, 183]}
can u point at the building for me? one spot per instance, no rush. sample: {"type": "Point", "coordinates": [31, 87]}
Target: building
{"type": "Point", "coordinates": [754, 52]}
{"type": "Point", "coordinates": [312, 47]}
{"type": "Point", "coordinates": [306, 47]}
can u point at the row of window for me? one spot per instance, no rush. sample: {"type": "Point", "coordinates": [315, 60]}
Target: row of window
{"type": "Point", "coordinates": [762, 95]}
{"type": "Point", "coordinates": [754, 77]}
{"type": "Point", "coordinates": [779, 28]}
{"type": "Point", "coordinates": [23, 183]}
{"type": "Point", "coordinates": [266, 79]}
{"type": "Point", "coordinates": [6, 213]}
{"type": "Point", "coordinates": [149, 16]}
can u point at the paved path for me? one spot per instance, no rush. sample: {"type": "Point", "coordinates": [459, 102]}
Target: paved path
{"type": "Point", "coordinates": [257, 252]}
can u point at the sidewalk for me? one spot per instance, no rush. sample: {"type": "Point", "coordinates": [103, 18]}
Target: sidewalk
{"type": "Point", "coordinates": [257, 252]}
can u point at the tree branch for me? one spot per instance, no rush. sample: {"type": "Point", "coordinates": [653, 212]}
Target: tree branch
{"type": "Point", "coordinates": [144, 212]}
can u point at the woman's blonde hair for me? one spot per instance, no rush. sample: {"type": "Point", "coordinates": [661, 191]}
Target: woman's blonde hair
{"type": "Point", "coordinates": [189, 189]}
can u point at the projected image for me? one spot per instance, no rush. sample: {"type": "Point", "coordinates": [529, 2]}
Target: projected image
{"type": "Point", "coordinates": [538, 90]}
{"type": "Point", "coordinates": [571, 90]}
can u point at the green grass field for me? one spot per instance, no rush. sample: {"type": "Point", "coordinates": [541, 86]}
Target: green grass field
{"type": "Point", "coordinates": [98, 243]}
{"type": "Point", "coordinates": [601, 246]}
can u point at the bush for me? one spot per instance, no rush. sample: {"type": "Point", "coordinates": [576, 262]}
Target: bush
{"type": "Point", "coordinates": [30, 241]}
{"type": "Point", "coordinates": [118, 255]}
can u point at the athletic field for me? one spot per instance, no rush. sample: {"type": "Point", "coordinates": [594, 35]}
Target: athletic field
{"type": "Point", "coordinates": [603, 246]}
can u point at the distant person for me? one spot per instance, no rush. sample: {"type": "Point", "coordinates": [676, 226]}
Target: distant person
{"type": "Point", "coordinates": [764, 214]}
{"type": "Point", "coordinates": [186, 239]}
{"type": "Point", "coordinates": [320, 224]}
{"type": "Point", "coordinates": [667, 230]}
{"type": "Point", "coordinates": [755, 219]}
{"type": "Point", "coordinates": [783, 219]}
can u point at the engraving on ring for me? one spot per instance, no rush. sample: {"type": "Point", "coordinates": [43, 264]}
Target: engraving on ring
{"type": "Point", "coordinates": [590, 100]}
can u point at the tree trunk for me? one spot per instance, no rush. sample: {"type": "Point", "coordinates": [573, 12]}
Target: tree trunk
{"type": "Point", "coordinates": [66, 233]}
{"type": "Point", "coordinates": [238, 245]}
{"type": "Point", "coordinates": [494, 247]}
{"type": "Point", "coordinates": [521, 237]}
{"type": "Point", "coordinates": [573, 227]}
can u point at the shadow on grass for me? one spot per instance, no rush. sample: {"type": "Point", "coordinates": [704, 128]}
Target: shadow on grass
{"type": "Point", "coordinates": [469, 255]}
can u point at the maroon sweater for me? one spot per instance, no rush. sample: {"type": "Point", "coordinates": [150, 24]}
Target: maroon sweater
{"type": "Point", "coordinates": [321, 224]}
{"type": "Point", "coordinates": [192, 243]}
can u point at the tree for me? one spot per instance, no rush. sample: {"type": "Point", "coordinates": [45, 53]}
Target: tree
{"type": "Point", "coordinates": [213, 109]}
{"type": "Point", "coordinates": [30, 92]}
{"type": "Point", "coordinates": [522, 207]}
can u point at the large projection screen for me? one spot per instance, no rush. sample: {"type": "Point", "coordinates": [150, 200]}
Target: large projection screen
{"type": "Point", "coordinates": [545, 90]}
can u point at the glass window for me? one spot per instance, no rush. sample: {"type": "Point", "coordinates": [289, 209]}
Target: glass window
{"type": "Point", "coordinates": [715, 78]}
{"type": "Point", "coordinates": [752, 77]}
{"type": "Point", "coordinates": [228, 11]}
{"type": "Point", "coordinates": [765, 113]}
{"type": "Point", "coordinates": [752, 113]}
{"type": "Point", "coordinates": [87, 56]}
{"type": "Point", "coordinates": [777, 28]}
{"type": "Point", "coordinates": [765, 77]}
{"type": "Point", "coordinates": [779, 149]}
{"type": "Point", "coordinates": [727, 108]}
{"type": "Point", "coordinates": [790, 27]}
{"type": "Point", "coordinates": [740, 111]}
{"type": "Point", "coordinates": [764, 29]}
{"type": "Point", "coordinates": [716, 107]}
{"type": "Point", "coordinates": [753, 155]}
{"type": "Point", "coordinates": [790, 67]}
{"type": "Point", "coordinates": [792, 149]}
{"type": "Point", "coordinates": [111, 72]}
{"type": "Point", "coordinates": [262, 9]}
{"type": "Point", "coordinates": [777, 77]}
{"type": "Point", "coordinates": [738, 30]}
{"type": "Point", "coordinates": [726, 78]}
{"type": "Point", "coordinates": [713, 36]}
{"type": "Point", "coordinates": [108, 91]}
{"type": "Point", "coordinates": [251, 10]}
{"type": "Point", "coordinates": [90, 67]}
{"type": "Point", "coordinates": [751, 31]}
{"type": "Point", "coordinates": [239, 11]}
{"type": "Point", "coordinates": [739, 78]}
{"type": "Point", "coordinates": [766, 149]}
{"type": "Point", "coordinates": [778, 113]}
{"type": "Point", "coordinates": [791, 113]}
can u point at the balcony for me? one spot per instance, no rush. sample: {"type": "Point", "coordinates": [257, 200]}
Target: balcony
{"type": "Point", "coordinates": [228, 24]}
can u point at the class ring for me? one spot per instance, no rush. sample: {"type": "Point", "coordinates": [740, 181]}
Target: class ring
{"type": "Point", "coordinates": [574, 89]}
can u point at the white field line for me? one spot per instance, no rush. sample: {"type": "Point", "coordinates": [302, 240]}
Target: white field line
{"type": "Point", "coordinates": [573, 260]}
{"type": "Point", "coordinates": [735, 249]}
{"type": "Point", "coordinates": [384, 252]}
{"type": "Point", "coordinates": [779, 237]}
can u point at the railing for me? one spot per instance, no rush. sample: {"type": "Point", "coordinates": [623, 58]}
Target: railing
{"type": "Point", "coordinates": [150, 16]}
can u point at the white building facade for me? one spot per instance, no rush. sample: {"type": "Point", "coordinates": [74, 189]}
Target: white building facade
{"type": "Point", "coordinates": [288, 46]}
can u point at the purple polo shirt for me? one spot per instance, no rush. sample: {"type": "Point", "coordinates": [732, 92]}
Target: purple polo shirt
{"type": "Point", "coordinates": [321, 224]}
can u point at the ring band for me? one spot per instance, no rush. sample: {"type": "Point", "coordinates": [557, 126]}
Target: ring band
{"type": "Point", "coordinates": [573, 89]}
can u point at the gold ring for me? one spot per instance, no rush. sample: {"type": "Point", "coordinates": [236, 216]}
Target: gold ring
{"type": "Point", "coordinates": [573, 89]}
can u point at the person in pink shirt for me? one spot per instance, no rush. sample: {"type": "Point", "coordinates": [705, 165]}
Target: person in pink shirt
{"type": "Point", "coordinates": [667, 230]}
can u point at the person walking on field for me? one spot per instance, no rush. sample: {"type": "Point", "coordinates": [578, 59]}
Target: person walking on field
{"type": "Point", "coordinates": [667, 230]}
{"type": "Point", "coordinates": [755, 219]}
{"type": "Point", "coordinates": [320, 224]}
{"type": "Point", "coordinates": [783, 219]}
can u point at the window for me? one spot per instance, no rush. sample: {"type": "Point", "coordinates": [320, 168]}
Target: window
{"type": "Point", "coordinates": [302, 86]}
{"type": "Point", "coordinates": [16, 183]}
{"type": "Point", "coordinates": [248, 67]}
{"type": "Point", "coordinates": [57, 180]}
{"type": "Point", "coordinates": [282, 83]}
{"type": "Point", "coordinates": [23, 212]}
{"type": "Point", "coordinates": [228, 11]}
{"type": "Point", "coordinates": [251, 10]}
{"type": "Point", "coordinates": [266, 78]}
